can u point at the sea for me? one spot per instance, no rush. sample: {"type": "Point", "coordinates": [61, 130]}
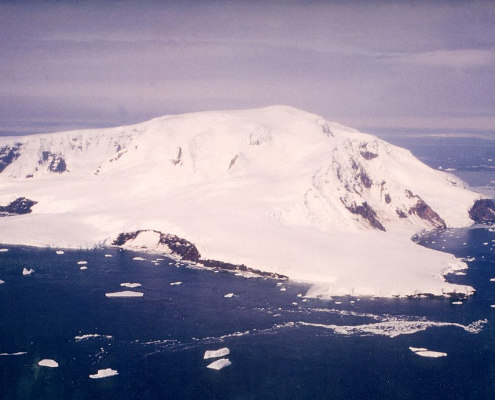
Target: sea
{"type": "Point", "coordinates": [280, 344]}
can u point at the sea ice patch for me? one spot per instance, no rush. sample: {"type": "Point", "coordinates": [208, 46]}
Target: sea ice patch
{"type": "Point", "coordinates": [139, 259]}
{"type": "Point", "coordinates": [1, 281]}
{"type": "Point", "coordinates": [4, 250]}
{"type": "Point", "coordinates": [175, 283]}
{"type": "Point", "coordinates": [82, 262]}
{"type": "Point", "coordinates": [219, 364]}
{"type": "Point", "coordinates": [104, 373]}
{"type": "Point", "coordinates": [125, 293]}
{"type": "Point", "coordinates": [59, 252]}
{"type": "Point", "coordinates": [216, 353]}
{"type": "Point", "coordinates": [83, 268]}
{"type": "Point", "coordinates": [130, 284]}
{"type": "Point", "coordinates": [26, 271]}
{"type": "Point", "coordinates": [108, 255]}
{"type": "Point", "coordinates": [48, 363]}
{"type": "Point", "coordinates": [228, 295]}
{"type": "Point", "coordinates": [19, 353]}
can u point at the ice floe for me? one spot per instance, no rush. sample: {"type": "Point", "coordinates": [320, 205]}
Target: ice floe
{"type": "Point", "coordinates": [421, 351]}
{"type": "Point", "coordinates": [1, 281]}
{"type": "Point", "coordinates": [82, 262]}
{"type": "Point", "coordinates": [130, 284]}
{"type": "Point", "coordinates": [492, 280]}
{"type": "Point", "coordinates": [4, 250]}
{"type": "Point", "coordinates": [26, 271]}
{"type": "Point", "coordinates": [282, 289]}
{"type": "Point", "coordinates": [125, 293]}
{"type": "Point", "coordinates": [216, 353]}
{"type": "Point", "coordinates": [104, 373]}
{"type": "Point", "coordinates": [175, 283]}
{"type": "Point", "coordinates": [48, 363]}
{"type": "Point", "coordinates": [139, 259]}
{"type": "Point", "coordinates": [108, 255]}
{"type": "Point", "coordinates": [229, 295]}
{"type": "Point", "coordinates": [59, 252]}
{"type": "Point", "coordinates": [18, 353]}
{"type": "Point", "coordinates": [91, 336]}
{"type": "Point", "coordinates": [83, 268]}
{"type": "Point", "coordinates": [457, 303]}
{"type": "Point", "coordinates": [219, 364]}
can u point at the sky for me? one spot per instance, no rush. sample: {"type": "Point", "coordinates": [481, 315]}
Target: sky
{"type": "Point", "coordinates": [376, 66]}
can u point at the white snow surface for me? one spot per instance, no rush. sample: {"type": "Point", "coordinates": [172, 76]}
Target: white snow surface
{"type": "Point", "coordinates": [104, 373]}
{"type": "Point", "coordinates": [267, 188]}
{"type": "Point", "coordinates": [216, 353]}
{"type": "Point", "coordinates": [219, 364]}
{"type": "Point", "coordinates": [48, 363]}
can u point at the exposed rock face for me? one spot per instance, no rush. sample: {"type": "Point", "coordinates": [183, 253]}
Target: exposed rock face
{"type": "Point", "coordinates": [365, 211]}
{"type": "Point", "coordinates": [9, 154]}
{"type": "Point", "coordinates": [55, 162]}
{"type": "Point", "coordinates": [424, 211]}
{"type": "Point", "coordinates": [21, 205]}
{"type": "Point", "coordinates": [483, 211]}
{"type": "Point", "coordinates": [187, 251]}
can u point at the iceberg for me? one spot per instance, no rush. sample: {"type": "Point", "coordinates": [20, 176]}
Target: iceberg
{"type": "Point", "coordinates": [3, 250]}
{"type": "Point", "coordinates": [216, 353]}
{"type": "Point", "coordinates": [91, 336]}
{"type": "Point", "coordinates": [83, 268]}
{"type": "Point", "coordinates": [48, 363]}
{"type": "Point", "coordinates": [104, 373]}
{"type": "Point", "coordinates": [229, 295]}
{"type": "Point", "coordinates": [423, 352]}
{"type": "Point", "coordinates": [130, 285]}
{"type": "Point", "coordinates": [19, 353]}
{"type": "Point", "coordinates": [125, 293]}
{"type": "Point", "coordinates": [59, 252]}
{"type": "Point", "coordinates": [82, 262]}
{"type": "Point", "coordinates": [175, 283]}
{"type": "Point", "coordinates": [219, 364]}
{"type": "Point", "coordinates": [139, 259]}
{"type": "Point", "coordinates": [1, 281]}
{"type": "Point", "coordinates": [26, 271]}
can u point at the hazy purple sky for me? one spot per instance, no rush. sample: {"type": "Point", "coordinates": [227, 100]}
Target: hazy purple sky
{"type": "Point", "coordinates": [371, 65]}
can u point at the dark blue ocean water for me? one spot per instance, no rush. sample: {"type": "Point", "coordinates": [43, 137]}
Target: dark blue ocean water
{"type": "Point", "coordinates": [281, 346]}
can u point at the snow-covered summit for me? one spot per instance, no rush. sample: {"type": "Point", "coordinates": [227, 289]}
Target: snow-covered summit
{"type": "Point", "coordinates": [270, 188]}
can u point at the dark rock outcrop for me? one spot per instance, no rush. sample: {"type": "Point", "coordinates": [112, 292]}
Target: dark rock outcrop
{"type": "Point", "coordinates": [187, 251]}
{"type": "Point", "coordinates": [424, 211]}
{"type": "Point", "coordinates": [8, 154]}
{"type": "Point", "coordinates": [365, 211]}
{"type": "Point", "coordinates": [55, 162]}
{"type": "Point", "coordinates": [483, 211]}
{"type": "Point", "coordinates": [19, 206]}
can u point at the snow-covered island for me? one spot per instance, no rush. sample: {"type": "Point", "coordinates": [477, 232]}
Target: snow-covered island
{"type": "Point", "coordinates": [275, 189]}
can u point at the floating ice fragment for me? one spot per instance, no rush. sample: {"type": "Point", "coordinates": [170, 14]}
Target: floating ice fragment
{"type": "Point", "coordinates": [431, 354]}
{"type": "Point", "coordinates": [92, 335]}
{"type": "Point", "coordinates": [175, 283]}
{"type": "Point", "coordinates": [299, 295]}
{"type": "Point", "coordinates": [26, 271]}
{"type": "Point", "coordinates": [219, 364]}
{"type": "Point", "coordinates": [108, 255]}
{"type": "Point", "coordinates": [338, 302]}
{"type": "Point", "coordinates": [104, 373]}
{"type": "Point", "coordinates": [19, 353]}
{"type": "Point", "coordinates": [294, 303]}
{"type": "Point", "coordinates": [492, 280]}
{"type": "Point", "coordinates": [59, 252]}
{"type": "Point", "coordinates": [416, 349]}
{"type": "Point", "coordinates": [139, 259]}
{"type": "Point", "coordinates": [4, 250]}
{"type": "Point", "coordinates": [83, 268]}
{"type": "Point", "coordinates": [1, 281]}
{"type": "Point", "coordinates": [457, 303]}
{"type": "Point", "coordinates": [130, 285]}
{"type": "Point", "coordinates": [283, 289]}
{"type": "Point", "coordinates": [82, 262]}
{"type": "Point", "coordinates": [48, 363]}
{"type": "Point", "coordinates": [229, 295]}
{"type": "Point", "coordinates": [279, 283]}
{"type": "Point", "coordinates": [216, 353]}
{"type": "Point", "coordinates": [125, 293]}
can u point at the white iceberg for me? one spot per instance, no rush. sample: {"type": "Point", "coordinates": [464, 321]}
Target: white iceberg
{"type": "Point", "coordinates": [26, 271]}
{"type": "Point", "coordinates": [48, 363]}
{"type": "Point", "coordinates": [19, 353]}
{"type": "Point", "coordinates": [4, 250]}
{"type": "Point", "coordinates": [104, 373]}
{"type": "Point", "coordinates": [91, 336]}
{"type": "Point", "coordinates": [216, 353]}
{"type": "Point", "coordinates": [229, 295]}
{"type": "Point", "coordinates": [130, 284]}
{"type": "Point", "coordinates": [108, 255]}
{"type": "Point", "coordinates": [82, 262]}
{"type": "Point", "coordinates": [175, 283]}
{"type": "Point", "coordinates": [1, 281]}
{"type": "Point", "coordinates": [125, 293]}
{"type": "Point", "coordinates": [139, 259]}
{"type": "Point", "coordinates": [423, 352]}
{"type": "Point", "coordinates": [456, 303]}
{"type": "Point", "coordinates": [59, 252]}
{"type": "Point", "coordinates": [83, 268]}
{"type": "Point", "coordinates": [219, 364]}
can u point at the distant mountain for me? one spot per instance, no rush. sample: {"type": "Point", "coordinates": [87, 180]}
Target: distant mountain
{"type": "Point", "coordinates": [276, 189]}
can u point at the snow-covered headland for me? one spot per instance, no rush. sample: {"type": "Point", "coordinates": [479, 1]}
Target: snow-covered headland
{"type": "Point", "coordinates": [276, 189]}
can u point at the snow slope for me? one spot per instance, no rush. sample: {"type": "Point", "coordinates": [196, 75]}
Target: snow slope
{"type": "Point", "coordinates": [277, 189]}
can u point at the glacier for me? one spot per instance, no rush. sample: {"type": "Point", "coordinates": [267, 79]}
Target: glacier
{"type": "Point", "coordinates": [276, 189]}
